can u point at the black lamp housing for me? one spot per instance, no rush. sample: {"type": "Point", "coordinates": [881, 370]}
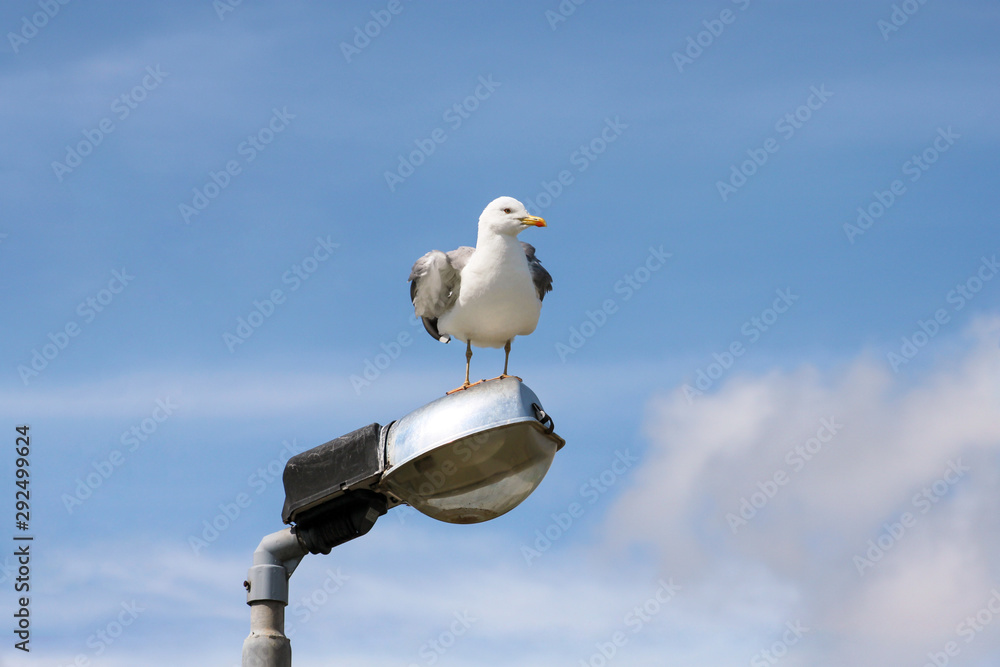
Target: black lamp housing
{"type": "Point", "coordinates": [328, 489]}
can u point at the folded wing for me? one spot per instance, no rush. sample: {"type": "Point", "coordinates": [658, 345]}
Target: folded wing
{"type": "Point", "coordinates": [541, 277]}
{"type": "Point", "coordinates": [434, 285]}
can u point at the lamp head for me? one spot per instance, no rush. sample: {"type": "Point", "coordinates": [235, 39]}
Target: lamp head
{"type": "Point", "coordinates": [465, 458]}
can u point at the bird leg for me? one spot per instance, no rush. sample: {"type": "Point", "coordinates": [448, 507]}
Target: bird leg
{"type": "Point", "coordinates": [468, 361]}
{"type": "Point", "coordinates": [506, 358]}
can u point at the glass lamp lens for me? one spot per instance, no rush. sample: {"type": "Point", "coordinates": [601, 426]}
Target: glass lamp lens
{"type": "Point", "coordinates": [477, 477]}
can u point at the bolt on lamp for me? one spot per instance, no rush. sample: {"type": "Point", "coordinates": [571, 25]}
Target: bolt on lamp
{"type": "Point", "coordinates": [467, 457]}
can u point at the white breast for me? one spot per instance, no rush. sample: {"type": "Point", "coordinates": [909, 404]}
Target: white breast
{"type": "Point", "coordinates": [497, 298]}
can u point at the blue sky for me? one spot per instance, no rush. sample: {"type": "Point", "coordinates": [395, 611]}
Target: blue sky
{"type": "Point", "coordinates": [170, 170]}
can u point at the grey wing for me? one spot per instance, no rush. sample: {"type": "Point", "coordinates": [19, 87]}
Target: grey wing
{"type": "Point", "coordinates": [459, 257]}
{"type": "Point", "coordinates": [539, 276]}
{"type": "Point", "coordinates": [434, 284]}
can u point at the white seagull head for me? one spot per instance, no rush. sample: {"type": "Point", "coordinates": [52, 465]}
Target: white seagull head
{"type": "Point", "coordinates": [506, 215]}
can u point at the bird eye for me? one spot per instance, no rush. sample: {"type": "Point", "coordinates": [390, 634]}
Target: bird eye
{"type": "Point", "coordinates": [506, 210]}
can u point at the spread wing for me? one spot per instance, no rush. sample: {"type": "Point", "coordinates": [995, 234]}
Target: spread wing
{"type": "Point", "coordinates": [539, 276]}
{"type": "Point", "coordinates": [434, 283]}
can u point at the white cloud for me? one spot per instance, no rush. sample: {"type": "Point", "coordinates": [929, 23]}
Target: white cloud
{"type": "Point", "coordinates": [810, 512]}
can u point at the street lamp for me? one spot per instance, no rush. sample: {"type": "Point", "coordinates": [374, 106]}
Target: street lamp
{"type": "Point", "coordinates": [464, 458]}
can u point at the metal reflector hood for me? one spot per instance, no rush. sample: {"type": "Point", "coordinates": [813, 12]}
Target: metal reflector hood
{"type": "Point", "coordinates": [472, 455]}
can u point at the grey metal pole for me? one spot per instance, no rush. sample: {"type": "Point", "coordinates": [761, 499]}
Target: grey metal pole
{"type": "Point", "coordinates": [275, 559]}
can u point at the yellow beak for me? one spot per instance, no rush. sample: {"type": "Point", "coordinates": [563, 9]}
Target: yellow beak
{"type": "Point", "coordinates": [533, 220]}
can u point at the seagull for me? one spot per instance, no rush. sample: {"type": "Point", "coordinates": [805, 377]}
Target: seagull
{"type": "Point", "coordinates": [487, 295]}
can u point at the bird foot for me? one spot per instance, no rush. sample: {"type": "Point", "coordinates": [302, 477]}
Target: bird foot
{"type": "Point", "coordinates": [465, 385]}
{"type": "Point", "coordinates": [503, 376]}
